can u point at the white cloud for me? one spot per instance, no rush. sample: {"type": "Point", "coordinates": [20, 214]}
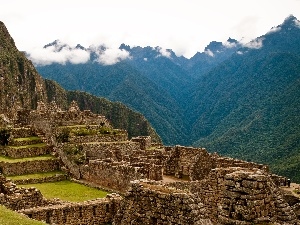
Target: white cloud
{"type": "Point", "coordinates": [256, 44]}
{"type": "Point", "coordinates": [164, 52]}
{"type": "Point", "coordinates": [274, 29]}
{"type": "Point", "coordinates": [209, 52]}
{"type": "Point", "coordinates": [228, 44]}
{"type": "Point", "coordinates": [240, 52]}
{"type": "Point", "coordinates": [112, 56]}
{"type": "Point", "coordinates": [143, 23]}
{"type": "Point", "coordinates": [47, 56]}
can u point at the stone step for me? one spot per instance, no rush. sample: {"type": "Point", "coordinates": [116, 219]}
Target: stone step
{"type": "Point", "coordinates": [28, 151]}
{"type": "Point", "coordinates": [25, 141]}
{"type": "Point", "coordinates": [22, 132]}
{"type": "Point", "coordinates": [39, 177]}
{"type": "Point", "coordinates": [11, 167]}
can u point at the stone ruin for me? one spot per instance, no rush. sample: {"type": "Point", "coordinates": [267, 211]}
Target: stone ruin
{"type": "Point", "coordinates": [202, 188]}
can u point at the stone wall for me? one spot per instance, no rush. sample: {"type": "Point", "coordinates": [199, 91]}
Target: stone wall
{"type": "Point", "coordinates": [148, 204]}
{"type": "Point", "coordinates": [228, 196]}
{"type": "Point", "coordinates": [237, 195]}
{"type": "Point", "coordinates": [14, 152]}
{"type": "Point", "coordinates": [99, 211]}
{"type": "Point", "coordinates": [122, 136]}
{"type": "Point", "coordinates": [196, 163]}
{"type": "Point", "coordinates": [53, 178]}
{"type": "Point", "coordinates": [26, 167]}
{"type": "Point", "coordinates": [16, 198]}
{"type": "Point", "coordinates": [117, 175]}
{"type": "Point", "coordinates": [145, 141]}
{"type": "Point", "coordinates": [19, 132]}
{"type": "Point", "coordinates": [115, 150]}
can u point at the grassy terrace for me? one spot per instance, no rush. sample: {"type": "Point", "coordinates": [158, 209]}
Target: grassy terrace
{"type": "Point", "coordinates": [68, 191]}
{"type": "Point", "coordinates": [9, 217]}
{"type": "Point", "coordinates": [35, 175]}
{"type": "Point", "coordinates": [33, 138]}
{"type": "Point", "coordinates": [13, 160]}
{"type": "Point", "coordinates": [29, 146]}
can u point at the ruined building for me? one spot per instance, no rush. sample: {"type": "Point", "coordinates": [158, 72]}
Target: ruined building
{"type": "Point", "coordinates": [151, 183]}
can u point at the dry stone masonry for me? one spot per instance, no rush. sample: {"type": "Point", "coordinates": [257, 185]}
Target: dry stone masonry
{"type": "Point", "coordinates": [202, 188]}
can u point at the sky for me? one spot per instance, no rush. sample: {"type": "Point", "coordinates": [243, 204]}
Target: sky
{"type": "Point", "coordinates": [185, 26]}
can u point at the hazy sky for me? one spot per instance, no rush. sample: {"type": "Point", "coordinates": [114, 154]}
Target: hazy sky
{"type": "Point", "coordinates": [185, 26]}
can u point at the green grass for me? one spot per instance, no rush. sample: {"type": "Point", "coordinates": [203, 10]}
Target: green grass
{"type": "Point", "coordinates": [9, 217]}
{"type": "Point", "coordinates": [13, 160]}
{"type": "Point", "coordinates": [29, 146]}
{"type": "Point", "coordinates": [35, 175]}
{"type": "Point", "coordinates": [68, 191]}
{"type": "Point", "coordinates": [33, 138]}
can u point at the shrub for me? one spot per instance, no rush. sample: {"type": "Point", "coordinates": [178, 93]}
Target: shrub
{"type": "Point", "coordinates": [63, 136]}
{"type": "Point", "coordinates": [76, 153]}
{"type": "Point", "coordinates": [4, 136]}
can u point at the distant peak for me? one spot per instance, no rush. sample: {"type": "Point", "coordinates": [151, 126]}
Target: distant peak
{"type": "Point", "coordinates": [124, 47]}
{"type": "Point", "coordinates": [79, 46]}
{"type": "Point", "coordinates": [231, 40]}
{"type": "Point", "coordinates": [290, 21]}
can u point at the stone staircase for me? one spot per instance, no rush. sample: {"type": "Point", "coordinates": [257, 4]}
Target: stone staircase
{"type": "Point", "coordinates": [27, 159]}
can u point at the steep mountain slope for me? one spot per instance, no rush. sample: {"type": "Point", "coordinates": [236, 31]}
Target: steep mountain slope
{"type": "Point", "coordinates": [21, 87]}
{"type": "Point", "coordinates": [20, 84]}
{"type": "Point", "coordinates": [248, 107]}
{"type": "Point", "coordinates": [214, 53]}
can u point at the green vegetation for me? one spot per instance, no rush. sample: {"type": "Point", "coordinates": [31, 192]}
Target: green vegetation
{"type": "Point", "coordinates": [13, 160]}
{"type": "Point", "coordinates": [9, 217]}
{"type": "Point", "coordinates": [75, 153]}
{"type": "Point", "coordinates": [33, 138]}
{"type": "Point", "coordinates": [4, 136]}
{"type": "Point", "coordinates": [68, 191]}
{"type": "Point", "coordinates": [35, 175]}
{"type": "Point", "coordinates": [63, 136]}
{"type": "Point", "coordinates": [68, 131]}
{"type": "Point", "coordinates": [30, 146]}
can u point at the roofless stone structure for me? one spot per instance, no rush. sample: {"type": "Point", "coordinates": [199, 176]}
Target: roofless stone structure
{"type": "Point", "coordinates": [153, 184]}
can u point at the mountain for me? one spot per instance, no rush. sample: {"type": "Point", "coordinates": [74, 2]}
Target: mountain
{"type": "Point", "coordinates": [248, 106]}
{"type": "Point", "coordinates": [241, 100]}
{"type": "Point", "coordinates": [21, 86]}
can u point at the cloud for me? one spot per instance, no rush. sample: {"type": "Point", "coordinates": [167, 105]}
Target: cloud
{"type": "Point", "coordinates": [228, 44]}
{"type": "Point", "coordinates": [209, 52]}
{"type": "Point", "coordinates": [297, 22]}
{"type": "Point", "coordinates": [274, 29]}
{"type": "Point", "coordinates": [49, 55]}
{"type": "Point", "coordinates": [255, 44]}
{"type": "Point", "coordinates": [112, 56]}
{"type": "Point", "coordinates": [163, 52]}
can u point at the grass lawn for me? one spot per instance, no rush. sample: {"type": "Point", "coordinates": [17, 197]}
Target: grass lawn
{"type": "Point", "coordinates": [35, 175]}
{"type": "Point", "coordinates": [68, 191]}
{"type": "Point", "coordinates": [9, 217]}
{"type": "Point", "coordinates": [29, 146]}
{"type": "Point", "coordinates": [12, 160]}
{"type": "Point", "coordinates": [33, 138]}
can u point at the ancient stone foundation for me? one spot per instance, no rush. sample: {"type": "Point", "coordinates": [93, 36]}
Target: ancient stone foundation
{"type": "Point", "coordinates": [98, 211]}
